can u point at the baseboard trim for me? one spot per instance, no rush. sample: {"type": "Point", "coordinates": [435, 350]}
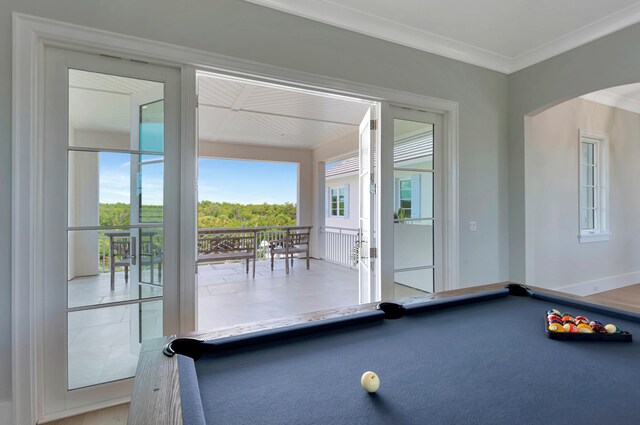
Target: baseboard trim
{"type": "Point", "coordinates": [83, 409]}
{"type": "Point", "coordinates": [6, 411]}
{"type": "Point", "coordinates": [600, 285]}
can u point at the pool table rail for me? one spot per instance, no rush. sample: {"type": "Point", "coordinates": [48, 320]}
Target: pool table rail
{"type": "Point", "coordinates": [156, 393]}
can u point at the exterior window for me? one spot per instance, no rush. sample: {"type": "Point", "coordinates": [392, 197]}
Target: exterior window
{"type": "Point", "coordinates": [405, 197]}
{"type": "Point", "coordinates": [594, 188]}
{"type": "Point", "coordinates": [337, 202]}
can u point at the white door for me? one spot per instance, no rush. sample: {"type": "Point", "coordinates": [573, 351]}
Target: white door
{"type": "Point", "coordinates": [367, 208]}
{"type": "Point", "coordinates": [112, 175]}
{"type": "Point", "coordinates": [417, 201]}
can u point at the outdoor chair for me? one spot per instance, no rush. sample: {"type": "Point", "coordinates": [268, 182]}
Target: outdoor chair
{"type": "Point", "coordinates": [295, 241]}
{"type": "Point", "coordinates": [119, 256]}
{"type": "Point", "coordinates": [151, 255]}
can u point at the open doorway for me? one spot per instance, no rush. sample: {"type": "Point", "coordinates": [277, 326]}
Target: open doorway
{"type": "Point", "coordinates": [266, 233]}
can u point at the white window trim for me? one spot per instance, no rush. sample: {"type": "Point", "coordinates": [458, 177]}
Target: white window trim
{"type": "Point", "coordinates": [337, 209]}
{"type": "Point", "coordinates": [399, 190]}
{"type": "Point", "coordinates": [345, 193]}
{"type": "Point", "coordinates": [601, 233]}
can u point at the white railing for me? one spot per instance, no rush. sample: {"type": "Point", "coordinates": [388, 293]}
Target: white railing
{"type": "Point", "coordinates": [339, 245]}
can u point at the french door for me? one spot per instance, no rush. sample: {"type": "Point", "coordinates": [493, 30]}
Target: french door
{"type": "Point", "coordinates": [112, 176]}
{"type": "Point", "coordinates": [368, 131]}
{"type": "Point", "coordinates": [417, 199]}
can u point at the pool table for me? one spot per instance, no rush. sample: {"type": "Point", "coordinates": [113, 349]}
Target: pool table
{"type": "Point", "coordinates": [480, 358]}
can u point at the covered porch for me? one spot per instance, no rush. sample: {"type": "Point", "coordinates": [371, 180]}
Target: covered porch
{"type": "Point", "coordinates": [228, 296]}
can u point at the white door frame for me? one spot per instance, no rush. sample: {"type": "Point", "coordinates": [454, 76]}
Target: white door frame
{"type": "Point", "coordinates": [386, 174]}
{"type": "Point", "coordinates": [368, 144]}
{"type": "Point", "coordinates": [30, 36]}
{"type": "Point", "coordinates": [54, 292]}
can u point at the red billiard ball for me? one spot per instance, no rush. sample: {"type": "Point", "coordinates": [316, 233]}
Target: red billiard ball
{"type": "Point", "coordinates": [582, 319]}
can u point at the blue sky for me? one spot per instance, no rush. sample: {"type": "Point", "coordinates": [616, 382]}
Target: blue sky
{"type": "Point", "coordinates": [247, 182]}
{"type": "Point", "coordinates": [115, 174]}
{"type": "Point", "coordinates": [220, 180]}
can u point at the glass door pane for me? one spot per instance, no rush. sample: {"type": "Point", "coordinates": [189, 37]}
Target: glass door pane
{"type": "Point", "coordinates": [115, 243]}
{"type": "Point", "coordinates": [413, 228]}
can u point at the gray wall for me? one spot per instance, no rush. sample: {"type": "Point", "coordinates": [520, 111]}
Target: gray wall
{"type": "Point", "coordinates": [247, 31]}
{"type": "Point", "coordinates": [560, 261]}
{"type": "Point", "coordinates": [610, 61]}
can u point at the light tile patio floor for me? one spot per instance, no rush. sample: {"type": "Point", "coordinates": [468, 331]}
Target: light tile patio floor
{"type": "Point", "coordinates": [99, 340]}
{"type": "Point", "coordinates": [228, 296]}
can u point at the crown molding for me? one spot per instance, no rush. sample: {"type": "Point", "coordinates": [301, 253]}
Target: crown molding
{"type": "Point", "coordinates": [337, 15]}
{"type": "Point", "coordinates": [343, 17]}
{"type": "Point", "coordinates": [608, 98]}
{"type": "Point", "coordinates": [598, 29]}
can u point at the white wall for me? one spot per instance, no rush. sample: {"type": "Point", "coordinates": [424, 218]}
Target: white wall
{"type": "Point", "coordinates": [84, 209]}
{"type": "Point", "coordinates": [609, 61]}
{"type": "Point", "coordinates": [84, 193]}
{"type": "Point", "coordinates": [102, 139]}
{"type": "Point", "coordinates": [247, 31]}
{"type": "Point", "coordinates": [560, 260]}
{"type": "Point", "coordinates": [350, 221]}
{"type": "Point", "coordinates": [320, 157]}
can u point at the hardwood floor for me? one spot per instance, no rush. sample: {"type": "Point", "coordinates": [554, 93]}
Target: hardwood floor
{"type": "Point", "coordinates": [625, 297]}
{"type": "Point", "coordinates": [628, 297]}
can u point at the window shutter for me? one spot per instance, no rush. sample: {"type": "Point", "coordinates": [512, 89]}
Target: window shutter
{"type": "Point", "coordinates": [415, 196]}
{"type": "Point", "coordinates": [327, 202]}
{"type": "Point", "coordinates": [396, 195]}
{"type": "Point", "coordinates": [346, 201]}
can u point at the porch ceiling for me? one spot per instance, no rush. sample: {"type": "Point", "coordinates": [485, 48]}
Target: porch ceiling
{"type": "Point", "coordinates": [234, 110]}
{"type": "Point", "coordinates": [231, 110]}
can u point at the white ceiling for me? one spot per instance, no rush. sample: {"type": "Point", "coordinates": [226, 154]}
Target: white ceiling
{"type": "Point", "coordinates": [231, 110]}
{"type": "Point", "coordinates": [237, 111]}
{"type": "Point", "coordinates": [624, 97]}
{"type": "Point", "coordinates": [504, 35]}
{"type": "Point", "coordinates": [102, 102]}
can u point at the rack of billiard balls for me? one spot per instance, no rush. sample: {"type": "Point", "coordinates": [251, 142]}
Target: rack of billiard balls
{"type": "Point", "coordinates": [565, 326]}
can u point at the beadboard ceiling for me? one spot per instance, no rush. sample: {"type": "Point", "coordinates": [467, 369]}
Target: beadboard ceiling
{"type": "Point", "coordinates": [242, 112]}
{"type": "Point", "coordinates": [230, 110]}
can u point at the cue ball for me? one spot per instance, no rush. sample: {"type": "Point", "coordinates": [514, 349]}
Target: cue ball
{"type": "Point", "coordinates": [370, 382]}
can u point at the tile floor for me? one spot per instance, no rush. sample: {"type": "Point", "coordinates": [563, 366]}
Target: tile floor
{"type": "Point", "coordinates": [101, 347]}
{"type": "Point", "coordinates": [227, 296]}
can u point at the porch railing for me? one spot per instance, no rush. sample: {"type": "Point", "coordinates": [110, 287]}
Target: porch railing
{"type": "Point", "coordinates": [339, 245]}
{"type": "Point", "coordinates": [264, 235]}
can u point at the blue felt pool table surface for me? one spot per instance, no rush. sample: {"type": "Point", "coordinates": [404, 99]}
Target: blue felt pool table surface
{"type": "Point", "coordinates": [485, 360]}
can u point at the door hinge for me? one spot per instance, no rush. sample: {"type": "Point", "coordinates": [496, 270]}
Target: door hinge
{"type": "Point", "coordinates": [372, 188]}
{"type": "Point", "coordinates": [373, 252]}
{"type": "Point", "coordinates": [373, 125]}
{"type": "Point", "coordinates": [197, 101]}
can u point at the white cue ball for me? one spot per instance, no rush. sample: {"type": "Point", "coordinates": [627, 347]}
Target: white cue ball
{"type": "Point", "coordinates": [370, 382]}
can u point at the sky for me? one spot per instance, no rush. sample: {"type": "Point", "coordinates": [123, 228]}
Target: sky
{"type": "Point", "coordinates": [219, 180]}
{"type": "Point", "coordinates": [247, 182]}
{"type": "Point", "coordinates": [115, 174]}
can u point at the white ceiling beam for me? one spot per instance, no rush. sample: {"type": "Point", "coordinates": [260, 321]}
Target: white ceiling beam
{"type": "Point", "coordinates": [245, 93]}
{"type": "Point", "coordinates": [236, 106]}
{"type": "Point", "coordinates": [250, 111]}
